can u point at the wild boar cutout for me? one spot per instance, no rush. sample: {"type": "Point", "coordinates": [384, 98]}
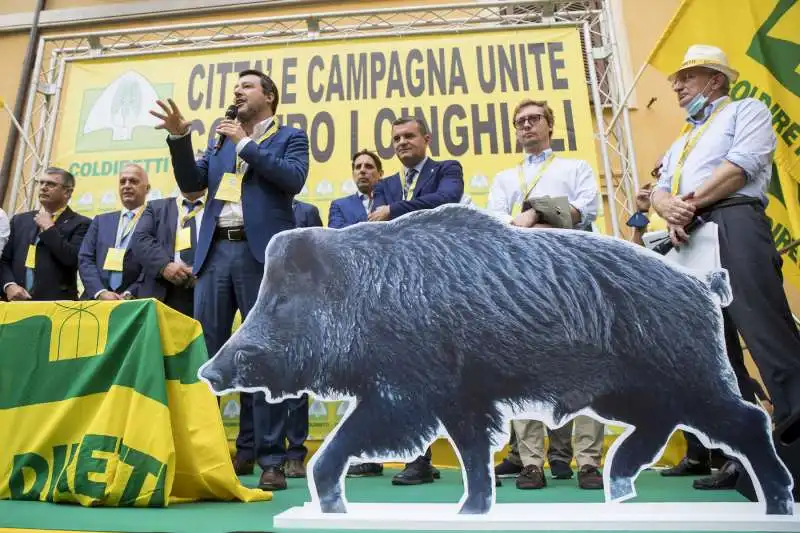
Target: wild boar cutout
{"type": "Point", "coordinates": [450, 323]}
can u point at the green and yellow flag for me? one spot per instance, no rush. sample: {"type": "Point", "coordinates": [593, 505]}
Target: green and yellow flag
{"type": "Point", "coordinates": [762, 41]}
{"type": "Point", "coordinates": [100, 405]}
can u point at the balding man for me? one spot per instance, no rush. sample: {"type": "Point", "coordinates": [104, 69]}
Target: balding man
{"type": "Point", "coordinates": [106, 265]}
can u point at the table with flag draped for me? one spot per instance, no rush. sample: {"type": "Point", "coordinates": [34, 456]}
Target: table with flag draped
{"type": "Point", "coordinates": [100, 405]}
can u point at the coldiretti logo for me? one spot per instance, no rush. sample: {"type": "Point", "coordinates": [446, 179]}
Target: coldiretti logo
{"type": "Point", "coordinates": [775, 44]}
{"type": "Point", "coordinates": [82, 468]}
{"type": "Point", "coordinates": [117, 117]}
{"type": "Point", "coordinates": [79, 329]}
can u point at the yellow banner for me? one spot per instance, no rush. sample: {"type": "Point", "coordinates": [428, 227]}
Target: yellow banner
{"type": "Point", "coordinates": [100, 405]}
{"type": "Point", "coordinates": [762, 41]}
{"type": "Point", "coordinates": [345, 94]}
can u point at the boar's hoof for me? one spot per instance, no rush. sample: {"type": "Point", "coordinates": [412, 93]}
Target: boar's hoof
{"type": "Point", "coordinates": [780, 506]}
{"type": "Point", "coordinates": [621, 487]}
{"type": "Point", "coordinates": [334, 505]}
{"type": "Point", "coordinates": [476, 506]}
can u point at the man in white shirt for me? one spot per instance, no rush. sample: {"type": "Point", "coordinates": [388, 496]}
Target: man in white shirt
{"type": "Point", "coordinates": [540, 174]}
{"type": "Point", "coordinates": [5, 230]}
{"type": "Point", "coordinates": [719, 168]}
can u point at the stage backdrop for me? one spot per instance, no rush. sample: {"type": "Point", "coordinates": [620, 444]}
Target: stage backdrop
{"type": "Point", "coordinates": [100, 405]}
{"type": "Point", "coordinates": [345, 94]}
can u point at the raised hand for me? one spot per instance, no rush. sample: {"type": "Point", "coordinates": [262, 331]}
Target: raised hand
{"type": "Point", "coordinates": [172, 119]}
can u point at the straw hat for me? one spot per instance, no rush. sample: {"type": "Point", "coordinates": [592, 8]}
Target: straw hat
{"type": "Point", "coordinates": [702, 55]}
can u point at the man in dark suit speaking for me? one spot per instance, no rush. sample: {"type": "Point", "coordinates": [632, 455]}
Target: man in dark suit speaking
{"type": "Point", "coordinates": [40, 260]}
{"type": "Point", "coordinates": [251, 179]}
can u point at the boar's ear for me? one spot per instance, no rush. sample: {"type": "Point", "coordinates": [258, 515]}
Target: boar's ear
{"type": "Point", "coordinates": [302, 255]}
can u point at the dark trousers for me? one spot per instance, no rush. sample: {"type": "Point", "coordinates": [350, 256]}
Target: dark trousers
{"type": "Point", "coordinates": [230, 280]}
{"type": "Point", "coordinates": [759, 310]}
{"type": "Point", "coordinates": [180, 299]}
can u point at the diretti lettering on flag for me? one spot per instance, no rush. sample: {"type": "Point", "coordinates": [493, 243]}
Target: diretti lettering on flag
{"type": "Point", "coordinates": [100, 405]}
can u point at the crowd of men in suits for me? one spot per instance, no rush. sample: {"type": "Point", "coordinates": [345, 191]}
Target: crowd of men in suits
{"type": "Point", "coordinates": [202, 253]}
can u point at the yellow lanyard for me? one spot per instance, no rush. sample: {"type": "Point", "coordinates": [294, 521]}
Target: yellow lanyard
{"type": "Point", "coordinates": [267, 134]}
{"type": "Point", "coordinates": [57, 214]}
{"type": "Point", "coordinates": [191, 214]}
{"type": "Point", "coordinates": [409, 192]}
{"type": "Point", "coordinates": [691, 142]}
{"type": "Point", "coordinates": [131, 224]}
{"type": "Point", "coordinates": [516, 208]}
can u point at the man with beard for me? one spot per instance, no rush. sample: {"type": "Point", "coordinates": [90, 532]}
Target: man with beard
{"type": "Point", "coordinates": [252, 178]}
{"type": "Point", "coordinates": [367, 171]}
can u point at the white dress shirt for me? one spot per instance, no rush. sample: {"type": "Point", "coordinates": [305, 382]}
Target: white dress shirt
{"type": "Point", "coordinates": [5, 230]}
{"type": "Point", "coordinates": [231, 214]}
{"type": "Point", "coordinates": [741, 133]}
{"type": "Point", "coordinates": [572, 178]}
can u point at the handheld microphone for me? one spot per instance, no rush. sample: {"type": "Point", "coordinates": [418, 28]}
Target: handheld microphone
{"type": "Point", "coordinates": [230, 114]}
{"type": "Point", "coordinates": [664, 248]}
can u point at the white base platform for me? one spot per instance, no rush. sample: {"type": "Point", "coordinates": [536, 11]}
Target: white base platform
{"type": "Point", "coordinates": [544, 516]}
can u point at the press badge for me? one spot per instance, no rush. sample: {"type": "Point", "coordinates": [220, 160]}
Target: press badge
{"type": "Point", "coordinates": [183, 240]}
{"type": "Point", "coordinates": [114, 259]}
{"type": "Point", "coordinates": [230, 188]}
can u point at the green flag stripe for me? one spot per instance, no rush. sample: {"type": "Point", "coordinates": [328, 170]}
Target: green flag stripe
{"type": "Point", "coordinates": [132, 358]}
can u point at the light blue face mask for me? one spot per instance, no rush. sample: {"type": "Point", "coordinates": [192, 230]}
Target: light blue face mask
{"type": "Point", "coordinates": [697, 103]}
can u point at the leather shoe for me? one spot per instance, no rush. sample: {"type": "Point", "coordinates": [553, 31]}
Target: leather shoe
{"type": "Point", "coordinates": [295, 468]}
{"type": "Point", "coordinates": [687, 468]}
{"type": "Point", "coordinates": [590, 478]}
{"type": "Point", "coordinates": [416, 472]}
{"type": "Point", "coordinates": [243, 467]}
{"type": "Point", "coordinates": [560, 469]}
{"type": "Point", "coordinates": [725, 478]}
{"type": "Point", "coordinates": [272, 478]}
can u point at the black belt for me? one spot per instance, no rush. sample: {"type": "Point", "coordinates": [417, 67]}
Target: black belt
{"type": "Point", "coordinates": [732, 202]}
{"type": "Point", "coordinates": [230, 234]}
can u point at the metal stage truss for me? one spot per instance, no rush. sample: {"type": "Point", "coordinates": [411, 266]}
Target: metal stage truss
{"type": "Point", "coordinates": [602, 61]}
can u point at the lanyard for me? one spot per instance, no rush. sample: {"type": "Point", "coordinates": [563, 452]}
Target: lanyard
{"type": "Point", "coordinates": [267, 134]}
{"type": "Point", "coordinates": [691, 142]}
{"type": "Point", "coordinates": [534, 182]}
{"type": "Point", "coordinates": [131, 224]}
{"type": "Point", "coordinates": [408, 192]}
{"type": "Point", "coordinates": [191, 214]}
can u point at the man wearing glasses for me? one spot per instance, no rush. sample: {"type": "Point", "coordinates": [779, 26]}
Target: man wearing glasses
{"type": "Point", "coordinates": [540, 174]}
{"type": "Point", "coordinates": [40, 261]}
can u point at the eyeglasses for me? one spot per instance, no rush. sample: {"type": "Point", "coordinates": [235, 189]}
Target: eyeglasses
{"type": "Point", "coordinates": [532, 119]}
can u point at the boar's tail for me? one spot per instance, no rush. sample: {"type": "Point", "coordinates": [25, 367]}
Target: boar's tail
{"type": "Point", "coordinates": [720, 286]}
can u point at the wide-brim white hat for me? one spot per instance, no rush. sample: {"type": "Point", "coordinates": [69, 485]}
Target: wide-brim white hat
{"type": "Point", "coordinates": [703, 55]}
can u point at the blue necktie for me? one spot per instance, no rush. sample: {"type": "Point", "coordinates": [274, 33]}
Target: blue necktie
{"type": "Point", "coordinates": [115, 280]}
{"type": "Point", "coordinates": [29, 271]}
{"type": "Point", "coordinates": [187, 255]}
{"type": "Point", "coordinates": [409, 181]}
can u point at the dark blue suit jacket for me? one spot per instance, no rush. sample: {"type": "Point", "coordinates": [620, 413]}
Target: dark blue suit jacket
{"type": "Point", "coordinates": [153, 242]}
{"type": "Point", "coordinates": [101, 236]}
{"type": "Point", "coordinates": [440, 182]}
{"type": "Point", "coordinates": [306, 215]}
{"type": "Point", "coordinates": [346, 212]}
{"type": "Point", "coordinates": [56, 255]}
{"type": "Point", "coordinates": [277, 171]}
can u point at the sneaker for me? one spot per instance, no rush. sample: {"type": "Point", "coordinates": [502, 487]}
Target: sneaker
{"type": "Point", "coordinates": [365, 470]}
{"type": "Point", "coordinates": [531, 477]}
{"type": "Point", "coordinates": [507, 469]}
{"type": "Point", "coordinates": [589, 477]}
{"type": "Point", "coordinates": [560, 470]}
